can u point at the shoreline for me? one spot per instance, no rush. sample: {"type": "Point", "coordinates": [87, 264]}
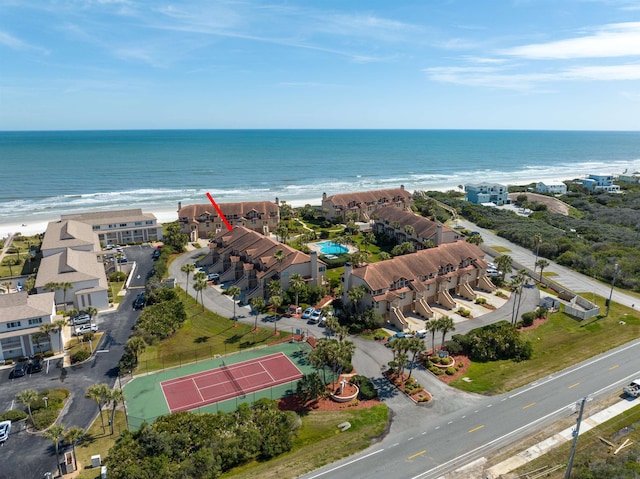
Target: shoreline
{"type": "Point", "coordinates": [166, 214]}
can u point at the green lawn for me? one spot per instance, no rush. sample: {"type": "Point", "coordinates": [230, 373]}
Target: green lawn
{"type": "Point", "coordinates": [98, 442]}
{"type": "Point", "coordinates": [319, 442]}
{"type": "Point", "coordinates": [205, 334]}
{"type": "Point", "coordinates": [558, 343]}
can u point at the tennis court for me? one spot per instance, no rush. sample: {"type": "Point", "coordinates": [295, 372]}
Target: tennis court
{"type": "Point", "coordinates": [226, 382]}
{"type": "Point", "coordinates": [217, 384]}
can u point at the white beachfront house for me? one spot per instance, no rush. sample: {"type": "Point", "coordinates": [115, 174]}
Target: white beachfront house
{"type": "Point", "coordinates": [552, 187]}
{"type": "Point", "coordinates": [480, 193]}
{"type": "Point", "coordinates": [21, 316]}
{"type": "Point", "coordinates": [71, 254]}
{"type": "Point", "coordinates": [120, 226]}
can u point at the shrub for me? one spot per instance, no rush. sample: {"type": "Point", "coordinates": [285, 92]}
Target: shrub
{"type": "Point", "coordinates": [528, 318]}
{"type": "Point", "coordinates": [117, 276]}
{"type": "Point", "coordinates": [13, 415]}
{"type": "Point", "coordinates": [436, 370]}
{"type": "Point", "coordinates": [451, 371]}
{"type": "Point", "coordinates": [8, 361]}
{"type": "Point", "coordinates": [454, 347]}
{"type": "Point", "coordinates": [465, 313]}
{"type": "Point", "coordinates": [43, 418]}
{"type": "Point", "coordinates": [80, 356]}
{"type": "Point", "coordinates": [367, 390]}
{"type": "Point", "coordinates": [48, 354]}
{"type": "Point", "coordinates": [481, 300]}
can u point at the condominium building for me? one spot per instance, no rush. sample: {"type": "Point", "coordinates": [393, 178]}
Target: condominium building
{"type": "Point", "coordinates": [120, 226]}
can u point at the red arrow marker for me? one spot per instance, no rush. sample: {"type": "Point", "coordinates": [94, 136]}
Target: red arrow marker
{"type": "Point", "coordinates": [224, 218]}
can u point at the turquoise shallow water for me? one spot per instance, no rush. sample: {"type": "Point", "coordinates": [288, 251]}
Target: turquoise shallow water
{"type": "Point", "coordinates": [49, 173]}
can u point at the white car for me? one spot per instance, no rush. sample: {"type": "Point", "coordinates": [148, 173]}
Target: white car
{"type": "Point", "coordinates": [316, 316]}
{"type": "Point", "coordinates": [85, 328]}
{"type": "Point", "coordinates": [5, 430]}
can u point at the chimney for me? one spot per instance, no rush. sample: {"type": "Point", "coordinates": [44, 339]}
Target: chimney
{"type": "Point", "coordinates": [402, 187]}
{"type": "Point", "coordinates": [324, 196]}
{"type": "Point", "coordinates": [179, 206]}
{"type": "Point", "coordinates": [277, 201]}
{"type": "Point", "coordinates": [314, 267]}
{"type": "Point", "coordinates": [439, 234]}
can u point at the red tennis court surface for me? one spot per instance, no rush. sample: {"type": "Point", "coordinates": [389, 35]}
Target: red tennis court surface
{"type": "Point", "coordinates": [226, 382]}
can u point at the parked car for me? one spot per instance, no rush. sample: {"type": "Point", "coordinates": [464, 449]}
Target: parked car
{"type": "Point", "coordinates": [34, 366]}
{"type": "Point", "coordinates": [85, 328]}
{"type": "Point", "coordinates": [139, 302]}
{"type": "Point", "coordinates": [213, 277]}
{"type": "Point", "coordinates": [19, 370]}
{"type": "Point", "coordinates": [82, 318]}
{"type": "Point", "coordinates": [307, 313]}
{"type": "Point", "coordinates": [316, 315]}
{"type": "Point", "coordinates": [123, 260]}
{"type": "Point", "coordinates": [5, 430]}
{"type": "Point", "coordinates": [156, 254]}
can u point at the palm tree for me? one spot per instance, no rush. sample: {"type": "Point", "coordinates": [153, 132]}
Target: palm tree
{"type": "Point", "coordinates": [516, 286]}
{"type": "Point", "coordinates": [199, 286]}
{"type": "Point", "coordinates": [11, 262]}
{"type": "Point", "coordinates": [47, 329]}
{"type": "Point", "coordinates": [276, 302]}
{"type": "Point", "coordinates": [257, 305]}
{"type": "Point", "coordinates": [367, 240]}
{"type": "Point", "coordinates": [115, 397]}
{"type": "Point", "coordinates": [297, 284]}
{"type": "Point", "coordinates": [474, 239]}
{"type": "Point", "coordinates": [65, 286]}
{"type": "Point", "coordinates": [100, 394]}
{"type": "Point", "coordinates": [416, 346]}
{"type": "Point", "coordinates": [59, 327]}
{"type": "Point", "coordinates": [55, 434]}
{"type": "Point", "coordinates": [433, 327]}
{"type": "Point", "coordinates": [136, 346]}
{"type": "Point", "coordinates": [28, 397]}
{"type": "Point", "coordinates": [504, 263]}
{"type": "Point", "coordinates": [234, 292]}
{"type": "Point", "coordinates": [73, 436]}
{"type": "Point", "coordinates": [537, 239]}
{"type": "Point", "coordinates": [92, 312]}
{"type": "Point", "coordinates": [355, 296]}
{"type": "Point", "coordinates": [383, 256]}
{"type": "Point", "coordinates": [446, 325]}
{"type": "Point", "coordinates": [542, 264]}
{"type": "Point", "coordinates": [52, 286]}
{"type": "Point", "coordinates": [279, 255]}
{"type": "Point", "coordinates": [188, 268]}
{"type": "Point", "coordinates": [6, 285]}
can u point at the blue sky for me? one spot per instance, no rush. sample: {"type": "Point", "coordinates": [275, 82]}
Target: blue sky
{"type": "Point", "coordinates": [488, 64]}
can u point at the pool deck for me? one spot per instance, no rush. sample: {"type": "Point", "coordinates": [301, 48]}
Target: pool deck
{"type": "Point", "coordinates": [314, 247]}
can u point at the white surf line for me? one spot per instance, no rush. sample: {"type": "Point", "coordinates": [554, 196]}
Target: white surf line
{"type": "Point", "coordinates": [570, 371]}
{"type": "Point", "coordinates": [347, 464]}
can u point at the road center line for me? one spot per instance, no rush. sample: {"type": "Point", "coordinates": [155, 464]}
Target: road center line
{"type": "Point", "coordinates": [476, 428]}
{"type": "Point", "coordinates": [613, 367]}
{"type": "Point", "coordinates": [573, 385]}
{"type": "Point", "coordinates": [417, 454]}
{"type": "Point", "coordinates": [528, 405]}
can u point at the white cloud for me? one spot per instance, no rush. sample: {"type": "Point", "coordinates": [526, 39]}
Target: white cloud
{"type": "Point", "coordinates": [612, 40]}
{"type": "Point", "coordinates": [15, 43]}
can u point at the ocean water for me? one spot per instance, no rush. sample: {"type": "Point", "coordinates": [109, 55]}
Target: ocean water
{"type": "Point", "coordinates": [45, 174]}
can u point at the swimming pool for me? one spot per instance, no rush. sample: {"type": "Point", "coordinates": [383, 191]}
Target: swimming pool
{"type": "Point", "coordinates": [329, 247]}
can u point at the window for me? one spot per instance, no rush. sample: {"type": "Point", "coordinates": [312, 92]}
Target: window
{"type": "Point", "coordinates": [35, 321]}
{"type": "Point", "coordinates": [96, 227]}
{"type": "Point", "coordinates": [13, 324]}
{"type": "Point", "coordinates": [138, 223]}
{"type": "Point", "coordinates": [123, 225]}
{"type": "Point", "coordinates": [148, 222]}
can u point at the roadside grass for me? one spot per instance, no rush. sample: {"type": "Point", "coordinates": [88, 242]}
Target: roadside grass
{"type": "Point", "coordinates": [75, 344]}
{"type": "Point", "coordinates": [591, 448]}
{"type": "Point", "coordinates": [115, 287]}
{"type": "Point", "coordinates": [500, 249]}
{"type": "Point", "coordinates": [560, 342]}
{"type": "Point", "coordinates": [204, 334]}
{"type": "Point", "coordinates": [319, 442]}
{"type": "Point", "coordinates": [98, 442]}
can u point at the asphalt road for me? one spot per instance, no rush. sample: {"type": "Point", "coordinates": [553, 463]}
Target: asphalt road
{"type": "Point", "coordinates": [427, 442]}
{"type": "Point", "coordinates": [27, 455]}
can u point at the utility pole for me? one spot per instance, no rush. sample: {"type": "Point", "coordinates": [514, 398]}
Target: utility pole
{"type": "Point", "coordinates": [613, 282]}
{"type": "Point", "coordinates": [576, 432]}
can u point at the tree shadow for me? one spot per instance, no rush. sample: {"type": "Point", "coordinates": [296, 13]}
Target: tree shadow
{"type": "Point", "coordinates": [385, 389]}
{"type": "Point", "coordinates": [201, 339]}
